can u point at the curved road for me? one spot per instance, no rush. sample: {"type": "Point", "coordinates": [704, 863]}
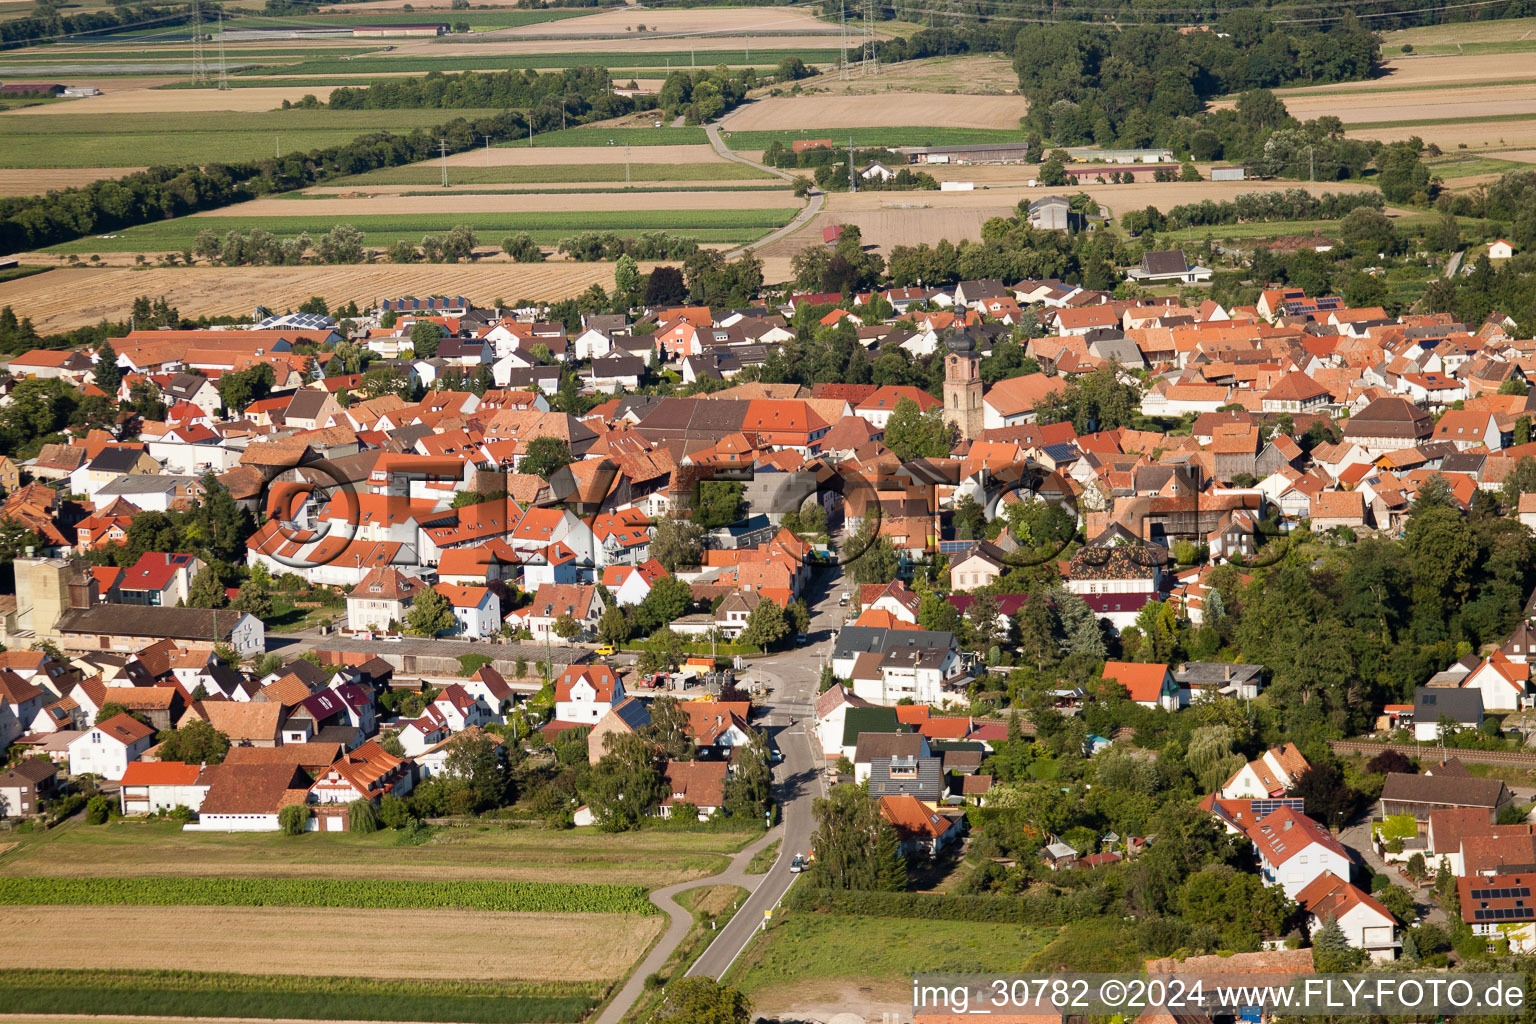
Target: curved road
{"type": "Point", "coordinates": [790, 681]}
{"type": "Point", "coordinates": [812, 208]}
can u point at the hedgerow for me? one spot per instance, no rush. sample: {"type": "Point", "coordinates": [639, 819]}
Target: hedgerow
{"type": "Point", "coordinates": [546, 897]}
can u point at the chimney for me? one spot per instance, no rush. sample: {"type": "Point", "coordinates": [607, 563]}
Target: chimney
{"type": "Point", "coordinates": [1227, 673]}
{"type": "Point", "coordinates": [1287, 826]}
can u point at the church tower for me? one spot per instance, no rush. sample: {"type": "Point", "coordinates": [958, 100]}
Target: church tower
{"type": "Point", "coordinates": [962, 385]}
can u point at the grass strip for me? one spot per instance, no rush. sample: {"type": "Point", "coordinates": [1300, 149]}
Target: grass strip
{"type": "Point", "coordinates": [196, 994]}
{"type": "Point", "coordinates": [461, 174]}
{"type": "Point", "coordinates": [675, 61]}
{"type": "Point", "coordinates": [546, 897]}
{"type": "Point", "coordinates": [1357, 126]}
{"type": "Point", "coordinates": [386, 229]}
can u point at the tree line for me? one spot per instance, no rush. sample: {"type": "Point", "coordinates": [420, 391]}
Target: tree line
{"type": "Point", "coordinates": [1248, 207]}
{"type": "Point", "coordinates": [161, 193]}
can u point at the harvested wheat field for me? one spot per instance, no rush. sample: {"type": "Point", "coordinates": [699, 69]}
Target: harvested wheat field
{"type": "Point", "coordinates": [1489, 135]}
{"type": "Point", "coordinates": [1451, 70]}
{"type": "Point", "coordinates": [551, 193]}
{"type": "Point", "coordinates": [499, 203]}
{"type": "Point", "coordinates": [427, 10]}
{"type": "Point", "coordinates": [970, 74]}
{"type": "Point", "coordinates": [526, 156]}
{"type": "Point", "coordinates": [887, 219]}
{"type": "Point", "coordinates": [1414, 104]}
{"type": "Point", "coordinates": [650, 42]}
{"type": "Point", "coordinates": [31, 182]}
{"type": "Point", "coordinates": [792, 113]}
{"type": "Point", "coordinates": [157, 101]}
{"type": "Point", "coordinates": [74, 297]}
{"type": "Point", "coordinates": [276, 940]}
{"type": "Point", "coordinates": [706, 21]}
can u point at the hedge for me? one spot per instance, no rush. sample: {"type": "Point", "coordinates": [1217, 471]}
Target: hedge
{"type": "Point", "coordinates": [1039, 907]}
{"type": "Point", "coordinates": [547, 897]}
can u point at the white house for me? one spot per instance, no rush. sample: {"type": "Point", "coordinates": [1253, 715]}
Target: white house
{"type": "Point", "coordinates": [151, 786]}
{"type": "Point", "coordinates": [1500, 250]}
{"type": "Point", "coordinates": [1268, 776]}
{"type": "Point", "coordinates": [1504, 684]}
{"type": "Point", "coordinates": [381, 598]}
{"type": "Point", "coordinates": [553, 600]}
{"type": "Point", "coordinates": [106, 748]}
{"type": "Point", "coordinates": [1294, 850]}
{"type": "Point", "coordinates": [831, 714]}
{"type": "Point", "coordinates": [585, 693]}
{"type": "Point", "coordinates": [1366, 923]}
{"type": "Point", "coordinates": [477, 610]}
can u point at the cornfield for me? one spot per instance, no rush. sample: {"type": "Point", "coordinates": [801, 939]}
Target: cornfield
{"type": "Point", "coordinates": [504, 897]}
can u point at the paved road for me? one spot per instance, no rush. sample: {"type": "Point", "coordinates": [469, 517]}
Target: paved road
{"type": "Point", "coordinates": [812, 208]}
{"type": "Point", "coordinates": [790, 679]}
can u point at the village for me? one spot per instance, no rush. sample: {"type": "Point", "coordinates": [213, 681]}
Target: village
{"type": "Point", "coordinates": [400, 567]}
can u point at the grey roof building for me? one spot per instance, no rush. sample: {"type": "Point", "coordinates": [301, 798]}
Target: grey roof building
{"type": "Point", "coordinates": [921, 777]}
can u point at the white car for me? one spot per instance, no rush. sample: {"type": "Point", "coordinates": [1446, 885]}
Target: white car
{"type": "Point", "coordinates": [392, 638]}
{"type": "Point", "coordinates": [797, 865]}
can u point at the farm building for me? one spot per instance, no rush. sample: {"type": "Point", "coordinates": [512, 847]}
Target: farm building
{"type": "Point", "coordinates": [1228, 174]}
{"type": "Point", "coordinates": [1090, 173]}
{"type": "Point", "coordinates": [1122, 156]}
{"type": "Point", "coordinates": [408, 31]}
{"type": "Point", "coordinates": [981, 153]}
{"type": "Point", "coordinates": [31, 89]}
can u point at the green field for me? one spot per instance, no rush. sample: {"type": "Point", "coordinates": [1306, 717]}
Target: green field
{"type": "Point", "coordinates": [1278, 228]}
{"type": "Point", "coordinates": [1358, 126]}
{"type": "Point", "coordinates": [148, 848]}
{"type": "Point", "coordinates": [503, 897]}
{"type": "Point", "coordinates": [497, 18]}
{"type": "Point", "coordinates": [678, 61]}
{"type": "Point", "coordinates": [383, 230]}
{"type": "Point", "coordinates": [194, 994]}
{"type": "Point", "coordinates": [803, 948]}
{"type": "Point", "coordinates": [595, 136]}
{"type": "Point", "coordinates": [1470, 167]}
{"type": "Point", "coordinates": [461, 174]}
{"type": "Point", "coordinates": [107, 140]}
{"type": "Point", "coordinates": [876, 136]}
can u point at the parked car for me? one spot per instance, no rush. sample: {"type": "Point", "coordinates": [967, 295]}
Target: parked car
{"type": "Point", "coordinates": [392, 638]}
{"type": "Point", "coordinates": [606, 651]}
{"type": "Point", "coordinates": [797, 865]}
{"type": "Point", "coordinates": [842, 602]}
{"type": "Point", "coordinates": [801, 639]}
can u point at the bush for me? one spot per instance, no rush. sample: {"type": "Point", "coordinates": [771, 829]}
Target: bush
{"type": "Point", "coordinates": [363, 817]}
{"type": "Point", "coordinates": [98, 810]}
{"type": "Point", "coordinates": [293, 819]}
{"type": "Point", "coordinates": [66, 807]}
{"type": "Point", "coordinates": [394, 813]}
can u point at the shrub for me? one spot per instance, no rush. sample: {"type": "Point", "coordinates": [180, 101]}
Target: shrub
{"type": "Point", "coordinates": [363, 817]}
{"type": "Point", "coordinates": [293, 819]}
{"type": "Point", "coordinates": [98, 810]}
{"type": "Point", "coordinates": [394, 813]}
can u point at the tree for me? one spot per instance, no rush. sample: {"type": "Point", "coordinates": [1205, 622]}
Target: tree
{"type": "Point", "coordinates": [717, 503]}
{"type": "Point", "coordinates": [678, 543]}
{"type": "Point", "coordinates": [1329, 799]}
{"type": "Point", "coordinates": [1331, 952]}
{"type": "Point", "coordinates": [670, 729]}
{"type": "Point", "coordinates": [293, 819]}
{"type": "Point", "coordinates": [766, 625]}
{"type": "Point", "coordinates": [522, 248]}
{"type": "Point", "coordinates": [663, 652]}
{"type": "Point", "coordinates": [254, 599]}
{"type": "Point", "coordinates": [425, 337]}
{"type": "Point", "coordinates": [430, 614]}
{"type": "Point", "coordinates": [545, 456]}
{"type": "Point", "coordinates": [363, 818]}
{"type": "Point", "coordinates": [970, 519]}
{"type": "Point", "coordinates": [890, 863]}
{"type": "Point", "coordinates": [1053, 174]}
{"type": "Point", "coordinates": [625, 784]}
{"type": "Point", "coordinates": [626, 277]}
{"type": "Point", "coordinates": [749, 788]}
{"type": "Point", "coordinates": [702, 1001]}
{"type": "Point", "coordinates": [566, 627]}
{"type": "Point", "coordinates": [1389, 762]}
{"type": "Point", "coordinates": [197, 742]}
{"type": "Point", "coordinates": [846, 841]}
{"type": "Point", "coordinates": [791, 69]}
{"type": "Point", "coordinates": [669, 599]}
{"type": "Point", "coordinates": [475, 767]}
{"type": "Point", "coordinates": [613, 626]}
{"type": "Point", "coordinates": [98, 810]}
{"type": "Point", "coordinates": [1521, 480]}
{"type": "Point", "coordinates": [393, 812]}
{"type": "Point", "coordinates": [870, 556]}
{"type": "Point", "coordinates": [913, 434]}
{"type": "Point", "coordinates": [207, 590]}
{"type": "Point", "coordinates": [1238, 905]}
{"type": "Point", "coordinates": [665, 288]}
{"type": "Point", "coordinates": [106, 373]}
